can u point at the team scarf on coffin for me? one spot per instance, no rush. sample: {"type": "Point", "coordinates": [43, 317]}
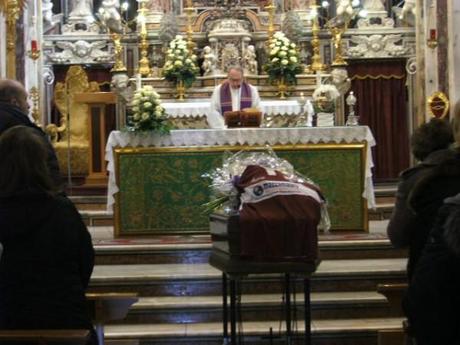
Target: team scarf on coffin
{"type": "Point", "coordinates": [226, 97]}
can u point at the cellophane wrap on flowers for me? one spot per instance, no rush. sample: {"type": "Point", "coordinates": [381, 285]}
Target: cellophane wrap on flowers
{"type": "Point", "coordinates": [226, 197]}
{"type": "Point", "coordinates": [180, 63]}
{"type": "Point", "coordinates": [147, 112]}
{"type": "Point", "coordinates": [283, 59]}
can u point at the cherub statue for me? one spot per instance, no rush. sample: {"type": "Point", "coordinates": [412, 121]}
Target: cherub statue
{"type": "Point", "coordinates": [339, 78]}
{"type": "Point", "coordinates": [110, 15]}
{"type": "Point", "coordinates": [47, 8]}
{"type": "Point", "coordinates": [409, 8]}
{"type": "Point", "coordinates": [119, 84]}
{"type": "Point", "coordinates": [81, 8]}
{"type": "Point", "coordinates": [344, 8]}
{"type": "Point", "coordinates": [250, 60]}
{"type": "Point", "coordinates": [209, 62]}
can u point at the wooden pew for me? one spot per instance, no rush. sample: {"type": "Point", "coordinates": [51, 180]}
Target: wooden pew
{"type": "Point", "coordinates": [394, 293]}
{"type": "Point", "coordinates": [45, 336]}
{"type": "Point", "coordinates": [103, 306]}
{"type": "Point", "coordinates": [108, 306]}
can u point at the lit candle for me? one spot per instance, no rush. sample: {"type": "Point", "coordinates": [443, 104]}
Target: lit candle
{"type": "Point", "coordinates": [138, 81]}
{"type": "Point", "coordinates": [433, 34]}
{"type": "Point", "coordinates": [33, 46]}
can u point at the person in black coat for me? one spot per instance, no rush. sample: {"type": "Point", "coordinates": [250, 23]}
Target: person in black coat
{"type": "Point", "coordinates": [14, 108]}
{"type": "Point", "coordinates": [48, 256]}
{"type": "Point", "coordinates": [432, 301]}
{"type": "Point", "coordinates": [423, 188]}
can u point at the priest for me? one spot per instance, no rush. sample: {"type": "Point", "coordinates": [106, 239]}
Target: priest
{"type": "Point", "coordinates": [232, 95]}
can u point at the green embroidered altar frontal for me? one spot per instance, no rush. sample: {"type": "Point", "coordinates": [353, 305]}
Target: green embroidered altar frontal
{"type": "Point", "coordinates": [161, 189]}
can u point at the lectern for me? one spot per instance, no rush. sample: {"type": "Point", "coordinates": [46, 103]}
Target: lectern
{"type": "Point", "coordinates": [98, 103]}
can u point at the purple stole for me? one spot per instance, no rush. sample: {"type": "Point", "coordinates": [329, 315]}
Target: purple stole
{"type": "Point", "coordinates": [226, 97]}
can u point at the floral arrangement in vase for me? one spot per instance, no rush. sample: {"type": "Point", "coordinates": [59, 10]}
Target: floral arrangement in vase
{"type": "Point", "coordinates": [283, 61]}
{"type": "Point", "coordinates": [147, 112]}
{"type": "Point", "coordinates": [324, 98]}
{"type": "Point", "coordinates": [180, 66]}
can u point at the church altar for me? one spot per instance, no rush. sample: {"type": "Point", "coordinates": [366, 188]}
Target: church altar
{"type": "Point", "coordinates": [203, 108]}
{"type": "Point", "coordinates": [156, 185]}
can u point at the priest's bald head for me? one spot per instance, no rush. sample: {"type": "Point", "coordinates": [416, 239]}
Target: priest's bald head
{"type": "Point", "coordinates": [13, 92]}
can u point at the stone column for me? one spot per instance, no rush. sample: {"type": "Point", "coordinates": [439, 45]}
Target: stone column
{"type": "Point", "coordinates": [2, 48]}
{"type": "Point", "coordinates": [454, 51]}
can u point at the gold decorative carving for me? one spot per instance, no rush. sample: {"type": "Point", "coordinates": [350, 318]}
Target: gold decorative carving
{"type": "Point", "coordinates": [144, 67]}
{"type": "Point", "coordinates": [35, 97]}
{"type": "Point", "coordinates": [72, 134]}
{"type": "Point", "coordinates": [316, 64]}
{"type": "Point", "coordinates": [438, 104]}
{"type": "Point", "coordinates": [271, 16]}
{"type": "Point", "coordinates": [189, 12]}
{"type": "Point", "coordinates": [119, 66]}
{"type": "Point", "coordinates": [337, 33]}
{"type": "Point", "coordinates": [11, 10]}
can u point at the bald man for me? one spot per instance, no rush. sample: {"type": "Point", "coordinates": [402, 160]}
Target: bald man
{"type": "Point", "coordinates": [14, 109]}
{"type": "Point", "coordinates": [232, 95]}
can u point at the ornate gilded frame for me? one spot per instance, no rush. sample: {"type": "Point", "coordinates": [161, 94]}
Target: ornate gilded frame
{"type": "Point", "coordinates": [438, 104]}
{"type": "Point", "coordinates": [118, 152]}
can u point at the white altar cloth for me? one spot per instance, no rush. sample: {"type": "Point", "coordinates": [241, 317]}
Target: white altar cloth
{"type": "Point", "coordinates": [203, 108]}
{"type": "Point", "coordinates": [241, 136]}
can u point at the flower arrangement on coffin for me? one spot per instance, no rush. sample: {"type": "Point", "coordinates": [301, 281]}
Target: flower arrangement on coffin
{"type": "Point", "coordinates": [283, 62]}
{"type": "Point", "coordinates": [180, 66]}
{"type": "Point", "coordinates": [225, 196]}
{"type": "Point", "coordinates": [148, 114]}
{"type": "Point", "coordinates": [324, 98]}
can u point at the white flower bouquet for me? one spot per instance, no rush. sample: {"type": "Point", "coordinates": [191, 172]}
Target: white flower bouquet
{"type": "Point", "coordinates": [147, 112]}
{"type": "Point", "coordinates": [225, 195]}
{"type": "Point", "coordinates": [283, 59]}
{"type": "Point", "coordinates": [324, 98]}
{"type": "Point", "coordinates": [180, 64]}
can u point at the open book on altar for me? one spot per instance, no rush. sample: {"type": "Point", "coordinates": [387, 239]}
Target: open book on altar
{"type": "Point", "coordinates": [248, 117]}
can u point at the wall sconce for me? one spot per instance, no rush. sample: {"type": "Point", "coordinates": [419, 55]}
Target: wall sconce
{"type": "Point", "coordinates": [432, 41]}
{"type": "Point", "coordinates": [34, 52]}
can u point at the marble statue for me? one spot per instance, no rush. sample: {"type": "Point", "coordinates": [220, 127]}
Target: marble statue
{"type": "Point", "coordinates": [110, 15]}
{"type": "Point", "coordinates": [110, 9]}
{"type": "Point", "coordinates": [47, 8]}
{"type": "Point", "coordinates": [344, 8]}
{"type": "Point", "coordinates": [373, 5]}
{"type": "Point", "coordinates": [82, 8]}
{"type": "Point", "coordinates": [339, 78]}
{"type": "Point", "coordinates": [409, 8]}
{"type": "Point", "coordinates": [210, 61]}
{"type": "Point", "coordinates": [119, 84]}
{"type": "Point", "coordinates": [250, 60]}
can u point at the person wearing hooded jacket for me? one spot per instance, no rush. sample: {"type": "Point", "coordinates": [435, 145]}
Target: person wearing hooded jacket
{"type": "Point", "coordinates": [48, 256]}
{"type": "Point", "coordinates": [14, 109]}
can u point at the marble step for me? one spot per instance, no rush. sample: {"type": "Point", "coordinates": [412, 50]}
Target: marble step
{"type": "Point", "coordinates": [258, 307]}
{"type": "Point", "coordinates": [196, 248]}
{"type": "Point", "coordinates": [98, 215]}
{"type": "Point", "coordinates": [144, 251]}
{"type": "Point", "coordinates": [362, 331]}
{"type": "Point", "coordinates": [204, 280]}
